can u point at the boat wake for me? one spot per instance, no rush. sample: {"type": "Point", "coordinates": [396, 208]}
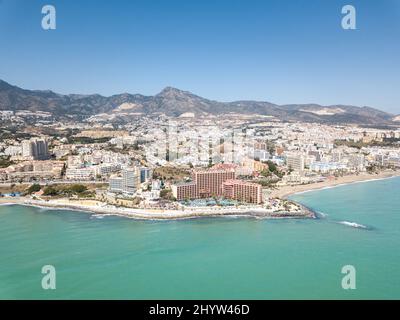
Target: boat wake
{"type": "Point", "coordinates": [354, 225]}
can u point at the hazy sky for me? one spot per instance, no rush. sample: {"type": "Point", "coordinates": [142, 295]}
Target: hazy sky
{"type": "Point", "coordinates": [283, 51]}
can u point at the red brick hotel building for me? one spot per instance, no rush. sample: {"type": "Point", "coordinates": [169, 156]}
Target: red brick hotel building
{"type": "Point", "coordinates": [242, 191]}
{"type": "Point", "coordinates": [216, 182]}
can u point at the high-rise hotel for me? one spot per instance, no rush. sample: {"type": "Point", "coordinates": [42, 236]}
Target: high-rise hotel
{"type": "Point", "coordinates": [242, 191]}
{"type": "Point", "coordinates": [219, 181]}
{"type": "Point", "coordinates": [205, 183]}
{"type": "Point", "coordinates": [35, 149]}
{"type": "Point", "coordinates": [209, 182]}
{"type": "Point", "coordinates": [126, 183]}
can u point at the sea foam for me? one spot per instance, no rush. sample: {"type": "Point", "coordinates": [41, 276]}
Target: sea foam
{"type": "Point", "coordinates": [353, 224]}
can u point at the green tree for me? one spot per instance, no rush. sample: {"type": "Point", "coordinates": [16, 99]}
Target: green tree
{"type": "Point", "coordinates": [272, 166]}
{"type": "Point", "coordinates": [166, 194]}
{"type": "Point", "coordinates": [265, 172]}
{"type": "Point", "coordinates": [34, 188]}
{"type": "Point", "coordinates": [78, 188]}
{"type": "Point", "coordinates": [50, 191]}
{"type": "Point", "coordinates": [5, 161]}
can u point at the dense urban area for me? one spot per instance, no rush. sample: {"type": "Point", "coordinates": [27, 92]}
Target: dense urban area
{"type": "Point", "coordinates": [161, 163]}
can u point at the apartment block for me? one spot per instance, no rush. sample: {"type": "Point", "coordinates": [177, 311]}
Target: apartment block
{"type": "Point", "coordinates": [126, 183]}
{"type": "Point", "coordinates": [184, 190]}
{"type": "Point", "coordinates": [242, 191]}
{"type": "Point", "coordinates": [35, 149]}
{"type": "Point", "coordinates": [32, 170]}
{"type": "Point", "coordinates": [295, 162]}
{"type": "Point", "coordinates": [84, 173]}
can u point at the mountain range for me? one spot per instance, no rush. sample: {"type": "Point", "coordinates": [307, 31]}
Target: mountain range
{"type": "Point", "coordinates": [174, 102]}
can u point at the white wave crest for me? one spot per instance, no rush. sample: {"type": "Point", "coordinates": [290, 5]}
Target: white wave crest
{"type": "Point", "coordinates": [353, 224]}
{"type": "Point", "coordinates": [322, 214]}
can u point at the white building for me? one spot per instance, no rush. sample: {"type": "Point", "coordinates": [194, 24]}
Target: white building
{"type": "Point", "coordinates": [262, 155]}
{"type": "Point", "coordinates": [116, 184]}
{"type": "Point", "coordinates": [13, 150]}
{"type": "Point", "coordinates": [35, 149]}
{"type": "Point", "coordinates": [107, 168]}
{"type": "Point", "coordinates": [80, 173]}
{"type": "Point", "coordinates": [126, 183]}
{"type": "Point", "coordinates": [295, 162]}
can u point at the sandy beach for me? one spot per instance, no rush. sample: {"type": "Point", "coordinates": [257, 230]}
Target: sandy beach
{"type": "Point", "coordinates": [10, 200]}
{"type": "Point", "coordinates": [285, 191]}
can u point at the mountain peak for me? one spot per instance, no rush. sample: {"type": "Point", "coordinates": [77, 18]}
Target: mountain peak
{"type": "Point", "coordinates": [169, 88]}
{"type": "Point", "coordinates": [171, 91]}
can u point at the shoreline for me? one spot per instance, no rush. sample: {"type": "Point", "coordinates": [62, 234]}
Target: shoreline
{"type": "Point", "coordinates": [98, 208]}
{"type": "Point", "coordinates": [95, 207]}
{"type": "Point", "coordinates": [286, 191]}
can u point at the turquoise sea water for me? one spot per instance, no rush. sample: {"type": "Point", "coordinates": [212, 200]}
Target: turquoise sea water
{"type": "Point", "coordinates": [229, 258]}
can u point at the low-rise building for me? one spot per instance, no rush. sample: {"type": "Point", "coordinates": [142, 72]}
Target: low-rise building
{"type": "Point", "coordinates": [84, 173]}
{"type": "Point", "coordinates": [32, 170]}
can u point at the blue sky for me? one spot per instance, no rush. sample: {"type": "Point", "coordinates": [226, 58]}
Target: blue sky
{"type": "Point", "coordinates": [283, 51]}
